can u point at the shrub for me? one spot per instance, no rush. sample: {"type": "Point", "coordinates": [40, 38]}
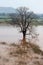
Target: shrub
{"type": "Point", "coordinates": [36, 48]}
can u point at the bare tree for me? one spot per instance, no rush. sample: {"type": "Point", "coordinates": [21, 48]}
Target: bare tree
{"type": "Point", "coordinates": [24, 20]}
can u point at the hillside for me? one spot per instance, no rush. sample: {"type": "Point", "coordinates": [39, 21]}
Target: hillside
{"type": "Point", "coordinates": [7, 10]}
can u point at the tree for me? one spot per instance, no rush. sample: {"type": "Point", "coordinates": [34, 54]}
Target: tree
{"type": "Point", "coordinates": [24, 19]}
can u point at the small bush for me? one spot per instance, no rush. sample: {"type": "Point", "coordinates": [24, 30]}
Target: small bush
{"type": "Point", "coordinates": [3, 43]}
{"type": "Point", "coordinates": [36, 48]}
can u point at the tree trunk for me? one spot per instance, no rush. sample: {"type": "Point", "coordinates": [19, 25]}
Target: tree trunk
{"type": "Point", "coordinates": [24, 36]}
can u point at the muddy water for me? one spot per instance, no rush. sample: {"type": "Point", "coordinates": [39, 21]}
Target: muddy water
{"type": "Point", "coordinates": [11, 34]}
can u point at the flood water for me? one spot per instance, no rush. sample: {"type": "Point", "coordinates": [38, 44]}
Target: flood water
{"type": "Point", "coordinates": [11, 34]}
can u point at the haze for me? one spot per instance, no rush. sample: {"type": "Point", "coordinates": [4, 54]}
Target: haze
{"type": "Point", "coordinates": [34, 5]}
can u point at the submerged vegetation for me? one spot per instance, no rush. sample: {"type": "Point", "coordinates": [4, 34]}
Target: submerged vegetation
{"type": "Point", "coordinates": [27, 53]}
{"type": "Point", "coordinates": [24, 47]}
{"type": "Point", "coordinates": [36, 48]}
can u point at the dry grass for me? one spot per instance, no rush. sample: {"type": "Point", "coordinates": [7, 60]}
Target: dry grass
{"type": "Point", "coordinates": [22, 48]}
{"type": "Point", "coordinates": [36, 48]}
{"type": "Point", "coordinates": [21, 54]}
{"type": "Point", "coordinates": [4, 43]}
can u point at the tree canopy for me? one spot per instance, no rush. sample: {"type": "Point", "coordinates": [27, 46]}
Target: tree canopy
{"type": "Point", "coordinates": [23, 18]}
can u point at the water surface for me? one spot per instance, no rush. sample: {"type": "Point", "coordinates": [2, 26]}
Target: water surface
{"type": "Point", "coordinates": [11, 34]}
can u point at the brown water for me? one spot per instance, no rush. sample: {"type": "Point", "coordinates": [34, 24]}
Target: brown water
{"type": "Point", "coordinates": [40, 37]}
{"type": "Point", "coordinates": [11, 34]}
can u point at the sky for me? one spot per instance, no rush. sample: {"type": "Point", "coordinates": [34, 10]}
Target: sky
{"type": "Point", "coordinates": [34, 5]}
